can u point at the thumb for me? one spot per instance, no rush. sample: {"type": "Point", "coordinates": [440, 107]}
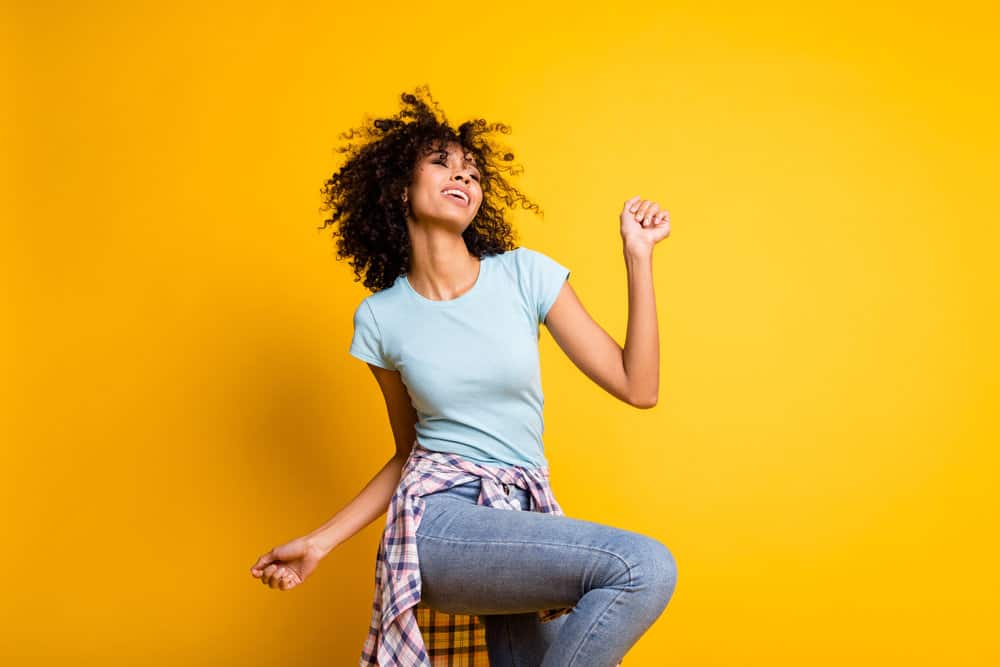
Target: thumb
{"type": "Point", "coordinates": [263, 562]}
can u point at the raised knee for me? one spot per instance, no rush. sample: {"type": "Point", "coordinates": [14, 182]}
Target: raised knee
{"type": "Point", "coordinates": [657, 567]}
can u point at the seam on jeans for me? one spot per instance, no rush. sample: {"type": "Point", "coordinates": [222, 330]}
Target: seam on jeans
{"type": "Point", "coordinates": [562, 545]}
{"type": "Point", "coordinates": [586, 634]}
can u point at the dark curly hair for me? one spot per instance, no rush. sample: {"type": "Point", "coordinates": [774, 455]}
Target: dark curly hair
{"type": "Point", "coordinates": [365, 194]}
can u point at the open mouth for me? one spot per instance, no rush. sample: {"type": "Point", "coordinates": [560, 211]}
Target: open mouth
{"type": "Point", "coordinates": [457, 197]}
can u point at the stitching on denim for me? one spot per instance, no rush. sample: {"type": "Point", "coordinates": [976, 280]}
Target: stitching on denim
{"type": "Point", "coordinates": [563, 545]}
{"type": "Point", "coordinates": [586, 634]}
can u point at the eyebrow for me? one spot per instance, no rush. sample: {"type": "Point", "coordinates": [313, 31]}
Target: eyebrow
{"type": "Point", "coordinates": [449, 153]}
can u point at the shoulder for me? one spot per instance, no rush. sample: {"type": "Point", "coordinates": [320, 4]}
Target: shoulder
{"type": "Point", "coordinates": [526, 260]}
{"type": "Point", "coordinates": [531, 256]}
{"type": "Point", "coordinates": [532, 269]}
{"type": "Point", "coordinates": [364, 308]}
{"type": "Point", "coordinates": [368, 315]}
{"type": "Point", "coordinates": [538, 264]}
{"type": "Point", "coordinates": [379, 302]}
{"type": "Point", "coordinates": [364, 316]}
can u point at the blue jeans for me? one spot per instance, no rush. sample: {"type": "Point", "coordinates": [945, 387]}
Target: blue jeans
{"type": "Point", "coordinates": [506, 565]}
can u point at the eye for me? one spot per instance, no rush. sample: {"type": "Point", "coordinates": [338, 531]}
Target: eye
{"type": "Point", "coordinates": [444, 163]}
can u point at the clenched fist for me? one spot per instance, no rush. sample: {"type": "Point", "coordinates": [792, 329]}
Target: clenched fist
{"type": "Point", "coordinates": [643, 224]}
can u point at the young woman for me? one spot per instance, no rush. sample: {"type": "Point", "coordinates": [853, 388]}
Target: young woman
{"type": "Point", "coordinates": [450, 334]}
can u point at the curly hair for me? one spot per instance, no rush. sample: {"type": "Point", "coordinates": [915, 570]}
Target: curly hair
{"type": "Point", "coordinates": [365, 194]}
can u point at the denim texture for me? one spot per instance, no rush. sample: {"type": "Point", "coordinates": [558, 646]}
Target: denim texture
{"type": "Point", "coordinates": [505, 565]}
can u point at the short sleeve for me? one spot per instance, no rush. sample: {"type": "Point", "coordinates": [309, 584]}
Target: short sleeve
{"type": "Point", "coordinates": [367, 342]}
{"type": "Point", "coordinates": [543, 279]}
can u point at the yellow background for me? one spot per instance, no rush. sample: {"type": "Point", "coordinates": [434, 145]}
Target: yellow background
{"type": "Point", "coordinates": [179, 397]}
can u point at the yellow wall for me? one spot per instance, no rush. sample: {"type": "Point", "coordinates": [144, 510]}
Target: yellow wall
{"type": "Point", "coordinates": [180, 398]}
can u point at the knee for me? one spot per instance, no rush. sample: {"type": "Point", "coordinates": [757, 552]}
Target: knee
{"type": "Point", "coordinates": [655, 568]}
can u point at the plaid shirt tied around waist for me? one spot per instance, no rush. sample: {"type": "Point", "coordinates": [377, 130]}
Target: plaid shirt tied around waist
{"type": "Point", "coordinates": [399, 624]}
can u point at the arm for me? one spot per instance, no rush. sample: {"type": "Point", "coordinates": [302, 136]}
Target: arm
{"type": "Point", "coordinates": [631, 374]}
{"type": "Point", "coordinates": [641, 356]}
{"type": "Point", "coordinates": [373, 500]}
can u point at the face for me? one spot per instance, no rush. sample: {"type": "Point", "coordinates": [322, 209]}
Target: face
{"type": "Point", "coordinates": [448, 168]}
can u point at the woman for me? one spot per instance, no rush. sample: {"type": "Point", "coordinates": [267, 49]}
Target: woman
{"type": "Point", "coordinates": [450, 334]}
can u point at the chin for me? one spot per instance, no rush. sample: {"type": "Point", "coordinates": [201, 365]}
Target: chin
{"type": "Point", "coordinates": [455, 220]}
{"type": "Point", "coordinates": [460, 221]}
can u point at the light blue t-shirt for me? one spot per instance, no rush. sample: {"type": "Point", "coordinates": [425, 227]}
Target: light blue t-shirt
{"type": "Point", "coordinates": [470, 364]}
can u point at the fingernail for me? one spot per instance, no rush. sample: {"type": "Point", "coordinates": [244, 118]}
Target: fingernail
{"type": "Point", "coordinates": [639, 218]}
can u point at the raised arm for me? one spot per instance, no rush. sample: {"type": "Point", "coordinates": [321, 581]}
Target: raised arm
{"type": "Point", "coordinates": [632, 373]}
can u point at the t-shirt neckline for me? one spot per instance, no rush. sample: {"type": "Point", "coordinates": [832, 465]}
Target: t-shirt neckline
{"type": "Point", "coordinates": [449, 302]}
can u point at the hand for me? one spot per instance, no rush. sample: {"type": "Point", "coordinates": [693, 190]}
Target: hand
{"type": "Point", "coordinates": [643, 223]}
{"type": "Point", "coordinates": [287, 566]}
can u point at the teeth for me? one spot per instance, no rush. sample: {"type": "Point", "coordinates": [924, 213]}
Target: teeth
{"type": "Point", "coordinates": [459, 193]}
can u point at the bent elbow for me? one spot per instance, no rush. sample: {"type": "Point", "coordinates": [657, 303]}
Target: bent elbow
{"type": "Point", "coordinates": [645, 403]}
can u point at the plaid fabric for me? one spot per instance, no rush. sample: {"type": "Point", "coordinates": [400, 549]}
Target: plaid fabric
{"type": "Point", "coordinates": [399, 624]}
{"type": "Point", "coordinates": [452, 640]}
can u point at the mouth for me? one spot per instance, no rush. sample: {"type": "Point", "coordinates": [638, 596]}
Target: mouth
{"type": "Point", "coordinates": [457, 197]}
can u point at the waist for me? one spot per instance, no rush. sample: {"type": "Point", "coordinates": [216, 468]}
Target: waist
{"type": "Point", "coordinates": [422, 456]}
{"type": "Point", "coordinates": [468, 492]}
{"type": "Point", "coordinates": [495, 450]}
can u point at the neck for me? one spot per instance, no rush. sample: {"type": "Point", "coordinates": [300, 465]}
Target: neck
{"type": "Point", "coordinates": [441, 267]}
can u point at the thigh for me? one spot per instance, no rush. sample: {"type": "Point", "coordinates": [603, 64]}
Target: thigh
{"type": "Point", "coordinates": [482, 560]}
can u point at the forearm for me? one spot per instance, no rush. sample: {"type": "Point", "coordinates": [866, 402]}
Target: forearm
{"type": "Point", "coordinates": [642, 339]}
{"type": "Point", "coordinates": [370, 503]}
